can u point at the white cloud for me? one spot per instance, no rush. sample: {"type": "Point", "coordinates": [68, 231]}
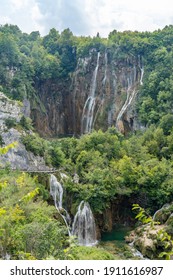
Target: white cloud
{"type": "Point", "coordinates": [4, 20]}
{"type": "Point", "coordinates": [87, 17]}
{"type": "Point", "coordinates": [18, 4]}
{"type": "Point", "coordinates": [106, 15]}
{"type": "Point", "coordinates": [37, 17]}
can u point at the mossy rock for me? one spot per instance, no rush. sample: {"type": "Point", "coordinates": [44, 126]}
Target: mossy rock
{"type": "Point", "coordinates": [163, 214]}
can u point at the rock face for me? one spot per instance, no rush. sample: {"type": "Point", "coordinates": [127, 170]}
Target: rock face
{"type": "Point", "coordinates": [100, 93]}
{"type": "Point", "coordinates": [153, 239]}
{"type": "Point", "coordinates": [9, 109]}
{"type": "Point", "coordinates": [18, 157]}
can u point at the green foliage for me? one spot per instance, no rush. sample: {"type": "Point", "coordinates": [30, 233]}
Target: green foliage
{"type": "Point", "coordinates": [34, 144]}
{"type": "Point", "coordinates": [163, 238]}
{"type": "Point", "coordinates": [166, 123]}
{"type": "Point", "coordinates": [142, 215]}
{"type": "Point", "coordinates": [28, 60]}
{"type": "Point", "coordinates": [10, 122]}
{"type": "Point", "coordinates": [28, 225]}
{"type": "Point", "coordinates": [88, 253]}
{"type": "Point", "coordinates": [26, 123]}
{"type": "Point", "coordinates": [51, 152]}
{"type": "Point", "coordinates": [109, 166]}
{"type": "Point", "coordinates": [4, 150]}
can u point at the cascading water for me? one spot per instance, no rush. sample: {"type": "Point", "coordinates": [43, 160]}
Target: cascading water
{"type": "Point", "coordinates": [56, 191]}
{"type": "Point", "coordinates": [142, 74]}
{"type": "Point", "coordinates": [131, 90]}
{"type": "Point", "coordinates": [141, 69]}
{"type": "Point", "coordinates": [88, 110]}
{"type": "Point", "coordinates": [130, 96]}
{"type": "Point", "coordinates": [106, 67]}
{"type": "Point", "coordinates": [84, 225]}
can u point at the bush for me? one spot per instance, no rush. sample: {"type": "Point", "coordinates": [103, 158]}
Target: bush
{"type": "Point", "coordinates": [34, 144]}
{"type": "Point", "coordinates": [10, 122]}
{"type": "Point", "coordinates": [26, 123]}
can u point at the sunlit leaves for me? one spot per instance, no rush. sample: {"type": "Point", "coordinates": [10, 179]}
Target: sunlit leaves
{"type": "Point", "coordinates": [4, 150]}
{"type": "Point", "coordinates": [30, 195]}
{"type": "Point", "coordinates": [2, 211]}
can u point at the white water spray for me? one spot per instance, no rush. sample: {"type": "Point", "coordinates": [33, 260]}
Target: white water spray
{"type": "Point", "coordinates": [88, 110]}
{"type": "Point", "coordinates": [56, 191]}
{"type": "Point", "coordinates": [84, 225]}
{"type": "Point", "coordinates": [142, 74]}
{"type": "Point", "coordinates": [130, 95]}
{"type": "Point", "coordinates": [106, 67]}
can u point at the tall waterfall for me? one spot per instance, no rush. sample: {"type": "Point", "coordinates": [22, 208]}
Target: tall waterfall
{"type": "Point", "coordinates": [106, 68]}
{"type": "Point", "coordinates": [131, 90]}
{"type": "Point", "coordinates": [130, 95]}
{"type": "Point", "coordinates": [141, 69]}
{"type": "Point", "coordinates": [88, 110]}
{"type": "Point", "coordinates": [56, 191]}
{"type": "Point", "coordinates": [84, 225]}
{"type": "Point", "coordinates": [142, 74]}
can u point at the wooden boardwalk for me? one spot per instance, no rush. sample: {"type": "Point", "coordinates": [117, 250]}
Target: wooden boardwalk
{"type": "Point", "coordinates": [31, 171]}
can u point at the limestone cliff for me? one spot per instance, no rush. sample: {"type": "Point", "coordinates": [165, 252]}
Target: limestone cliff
{"type": "Point", "coordinates": [18, 157]}
{"type": "Point", "coordinates": [100, 93]}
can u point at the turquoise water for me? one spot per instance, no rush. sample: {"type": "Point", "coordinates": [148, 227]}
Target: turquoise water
{"type": "Point", "coordinates": [114, 242]}
{"type": "Point", "coordinates": [117, 234]}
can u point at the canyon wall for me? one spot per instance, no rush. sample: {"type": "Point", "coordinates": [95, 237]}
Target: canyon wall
{"type": "Point", "coordinates": [100, 93]}
{"type": "Point", "coordinates": [17, 158]}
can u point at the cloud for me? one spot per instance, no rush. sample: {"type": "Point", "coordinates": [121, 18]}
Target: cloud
{"type": "Point", "coordinates": [24, 13]}
{"type": "Point", "coordinates": [63, 14]}
{"type": "Point", "coordinates": [4, 20]}
{"type": "Point", "coordinates": [86, 17]}
{"type": "Point", "coordinates": [107, 15]}
{"type": "Point", "coordinates": [18, 4]}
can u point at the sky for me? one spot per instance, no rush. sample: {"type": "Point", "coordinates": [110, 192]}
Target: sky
{"type": "Point", "coordinates": [87, 17]}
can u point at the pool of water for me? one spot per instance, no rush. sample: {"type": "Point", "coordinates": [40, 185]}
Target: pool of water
{"type": "Point", "coordinates": [117, 234]}
{"type": "Point", "coordinates": [114, 242]}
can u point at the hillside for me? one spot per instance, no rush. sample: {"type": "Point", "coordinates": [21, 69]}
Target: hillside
{"type": "Point", "coordinates": [104, 108]}
{"type": "Point", "coordinates": [76, 84]}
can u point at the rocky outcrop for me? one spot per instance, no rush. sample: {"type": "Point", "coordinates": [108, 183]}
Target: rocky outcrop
{"type": "Point", "coordinates": [18, 157]}
{"type": "Point", "coordinates": [9, 109]}
{"type": "Point", "coordinates": [153, 240]}
{"type": "Point", "coordinates": [100, 93]}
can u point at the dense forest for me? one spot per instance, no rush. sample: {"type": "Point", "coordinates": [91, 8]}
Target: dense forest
{"type": "Point", "coordinates": [115, 171]}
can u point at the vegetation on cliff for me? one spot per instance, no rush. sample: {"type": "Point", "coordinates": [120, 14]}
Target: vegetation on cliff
{"type": "Point", "coordinates": [28, 60]}
{"type": "Point", "coordinates": [109, 165]}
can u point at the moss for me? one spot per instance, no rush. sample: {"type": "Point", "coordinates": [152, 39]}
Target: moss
{"type": "Point", "coordinates": [91, 253]}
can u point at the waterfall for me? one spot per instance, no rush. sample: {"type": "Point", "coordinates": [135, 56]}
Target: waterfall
{"type": "Point", "coordinates": [135, 252]}
{"type": "Point", "coordinates": [130, 95]}
{"type": "Point", "coordinates": [106, 66]}
{"type": "Point", "coordinates": [84, 225]}
{"type": "Point", "coordinates": [142, 74]}
{"type": "Point", "coordinates": [88, 110]}
{"type": "Point", "coordinates": [74, 99]}
{"type": "Point", "coordinates": [56, 191]}
{"type": "Point", "coordinates": [141, 69]}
